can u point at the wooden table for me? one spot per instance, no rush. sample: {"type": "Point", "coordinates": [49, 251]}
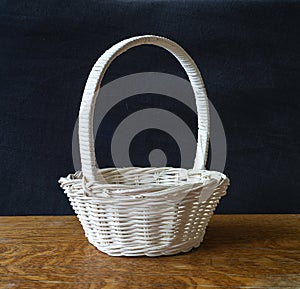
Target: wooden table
{"type": "Point", "coordinates": [239, 251]}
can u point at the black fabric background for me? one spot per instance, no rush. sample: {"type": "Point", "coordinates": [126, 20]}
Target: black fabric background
{"type": "Point", "coordinates": [247, 51]}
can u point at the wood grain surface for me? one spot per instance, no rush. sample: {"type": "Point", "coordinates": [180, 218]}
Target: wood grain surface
{"type": "Point", "coordinates": [239, 251]}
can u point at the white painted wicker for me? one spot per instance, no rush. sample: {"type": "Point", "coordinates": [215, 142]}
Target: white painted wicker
{"type": "Point", "coordinates": [143, 211]}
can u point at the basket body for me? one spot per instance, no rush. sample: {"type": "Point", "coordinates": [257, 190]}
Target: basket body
{"type": "Point", "coordinates": [143, 211]}
{"type": "Point", "coordinates": [132, 220]}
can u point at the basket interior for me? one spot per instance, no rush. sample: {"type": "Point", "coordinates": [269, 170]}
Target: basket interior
{"type": "Point", "coordinates": [165, 176]}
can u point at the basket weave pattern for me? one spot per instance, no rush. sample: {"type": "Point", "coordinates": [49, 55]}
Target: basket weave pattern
{"type": "Point", "coordinates": [143, 211]}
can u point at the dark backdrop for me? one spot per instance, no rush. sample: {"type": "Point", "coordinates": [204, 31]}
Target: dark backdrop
{"type": "Point", "coordinates": [248, 52]}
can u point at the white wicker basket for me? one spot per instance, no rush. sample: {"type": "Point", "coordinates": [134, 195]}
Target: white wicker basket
{"type": "Point", "coordinates": [143, 211]}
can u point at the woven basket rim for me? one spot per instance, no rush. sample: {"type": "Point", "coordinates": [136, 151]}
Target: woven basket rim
{"type": "Point", "coordinates": [204, 178]}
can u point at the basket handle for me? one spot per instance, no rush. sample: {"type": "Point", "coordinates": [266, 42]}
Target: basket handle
{"type": "Point", "coordinates": [91, 90]}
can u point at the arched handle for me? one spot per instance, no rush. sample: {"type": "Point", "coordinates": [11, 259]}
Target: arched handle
{"type": "Point", "coordinates": [91, 90]}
